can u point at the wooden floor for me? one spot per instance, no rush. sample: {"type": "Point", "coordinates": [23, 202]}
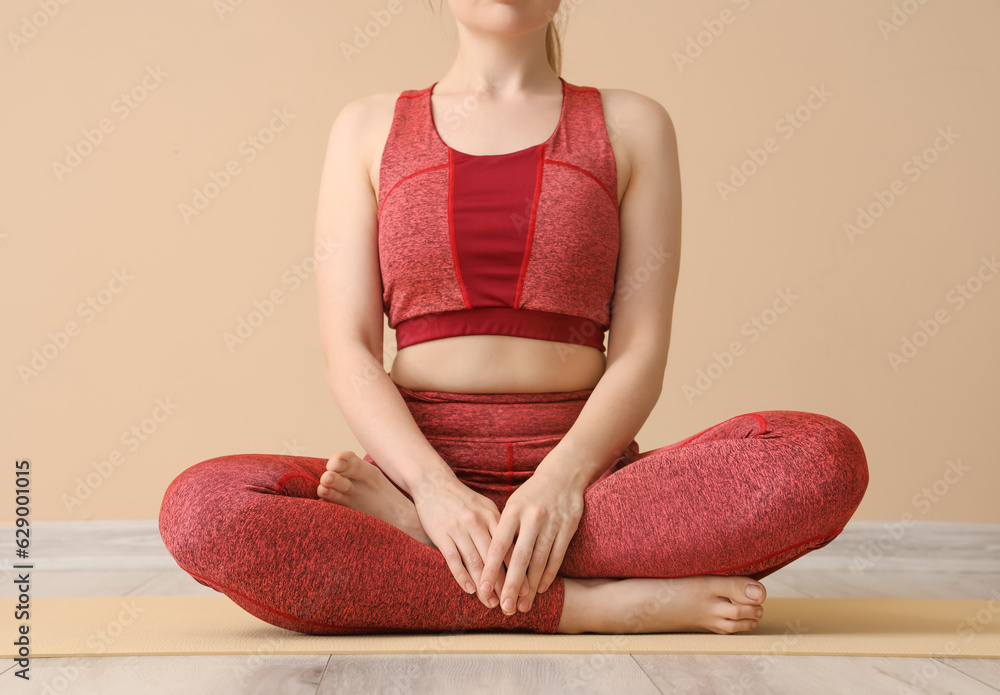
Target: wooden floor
{"type": "Point", "coordinates": [120, 558]}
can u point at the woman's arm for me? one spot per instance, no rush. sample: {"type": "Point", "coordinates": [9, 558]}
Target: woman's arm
{"type": "Point", "coordinates": [642, 308]}
{"type": "Point", "coordinates": [545, 510]}
{"type": "Point", "coordinates": [458, 520]}
{"type": "Point", "coordinates": [349, 285]}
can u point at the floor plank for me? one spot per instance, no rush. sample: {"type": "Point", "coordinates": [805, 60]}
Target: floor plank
{"type": "Point", "coordinates": [985, 670]}
{"type": "Point", "coordinates": [489, 674]}
{"type": "Point", "coordinates": [779, 674]}
{"type": "Point", "coordinates": [184, 675]}
{"type": "Point", "coordinates": [848, 584]}
{"type": "Point", "coordinates": [48, 583]}
{"type": "Point", "coordinates": [891, 546]}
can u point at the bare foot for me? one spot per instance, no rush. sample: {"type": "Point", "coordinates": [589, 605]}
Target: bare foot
{"type": "Point", "coordinates": [353, 482]}
{"type": "Point", "coordinates": [706, 603]}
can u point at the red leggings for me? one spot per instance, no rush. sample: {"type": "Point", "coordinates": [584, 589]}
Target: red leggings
{"type": "Point", "coordinates": [744, 497]}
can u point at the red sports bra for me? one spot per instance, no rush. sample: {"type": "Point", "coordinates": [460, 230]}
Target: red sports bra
{"type": "Point", "coordinates": [522, 244]}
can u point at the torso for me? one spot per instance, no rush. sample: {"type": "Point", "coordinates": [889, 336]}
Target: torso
{"type": "Point", "coordinates": [494, 363]}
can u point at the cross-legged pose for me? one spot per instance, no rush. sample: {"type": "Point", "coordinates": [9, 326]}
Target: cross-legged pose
{"type": "Point", "coordinates": [505, 220]}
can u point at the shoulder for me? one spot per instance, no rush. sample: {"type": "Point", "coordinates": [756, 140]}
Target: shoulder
{"type": "Point", "coordinates": [360, 118]}
{"type": "Point", "coordinates": [360, 130]}
{"type": "Point", "coordinates": [639, 120]}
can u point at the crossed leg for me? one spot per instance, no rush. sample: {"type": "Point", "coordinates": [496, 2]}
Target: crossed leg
{"type": "Point", "coordinates": [689, 525]}
{"type": "Point", "coordinates": [785, 483]}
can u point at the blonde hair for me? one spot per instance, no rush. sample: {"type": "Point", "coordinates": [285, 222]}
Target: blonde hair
{"type": "Point", "coordinates": [553, 47]}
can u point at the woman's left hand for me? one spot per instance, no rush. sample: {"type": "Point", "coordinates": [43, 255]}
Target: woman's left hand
{"type": "Point", "coordinates": [543, 512]}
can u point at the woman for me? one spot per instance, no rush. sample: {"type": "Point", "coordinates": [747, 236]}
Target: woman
{"type": "Point", "coordinates": [502, 488]}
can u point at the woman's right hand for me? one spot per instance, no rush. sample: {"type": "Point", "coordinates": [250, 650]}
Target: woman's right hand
{"type": "Point", "coordinates": [460, 522]}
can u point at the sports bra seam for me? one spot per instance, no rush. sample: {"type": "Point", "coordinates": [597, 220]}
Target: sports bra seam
{"type": "Point", "coordinates": [535, 197]}
{"type": "Point", "coordinates": [588, 173]}
{"type": "Point", "coordinates": [509, 308]}
{"type": "Point", "coordinates": [404, 178]}
{"type": "Point", "coordinates": [452, 240]}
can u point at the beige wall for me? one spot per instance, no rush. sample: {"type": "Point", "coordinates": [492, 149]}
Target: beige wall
{"type": "Point", "coordinates": [159, 336]}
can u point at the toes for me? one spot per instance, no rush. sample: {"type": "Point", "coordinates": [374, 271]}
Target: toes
{"type": "Point", "coordinates": [763, 592]}
{"type": "Point", "coordinates": [334, 492]}
{"type": "Point", "coordinates": [338, 463]}
{"type": "Point", "coordinates": [347, 463]}
{"type": "Point", "coordinates": [725, 626]}
{"type": "Point", "coordinates": [732, 626]}
{"type": "Point", "coordinates": [336, 482]}
{"type": "Point", "coordinates": [739, 611]}
{"type": "Point", "coordinates": [737, 591]}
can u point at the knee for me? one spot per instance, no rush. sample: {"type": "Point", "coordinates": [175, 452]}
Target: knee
{"type": "Point", "coordinates": [224, 478]}
{"type": "Point", "coordinates": [179, 508]}
{"type": "Point", "coordinates": [209, 498]}
{"type": "Point", "coordinates": [845, 464]}
{"type": "Point", "coordinates": [200, 481]}
{"type": "Point", "coordinates": [194, 499]}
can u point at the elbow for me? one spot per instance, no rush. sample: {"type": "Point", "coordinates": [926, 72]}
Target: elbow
{"type": "Point", "coordinates": [350, 357]}
{"type": "Point", "coordinates": [647, 353]}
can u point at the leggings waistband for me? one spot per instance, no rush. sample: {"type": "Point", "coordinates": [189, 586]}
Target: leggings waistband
{"type": "Point", "coordinates": [444, 414]}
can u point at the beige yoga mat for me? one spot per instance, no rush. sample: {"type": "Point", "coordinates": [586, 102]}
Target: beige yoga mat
{"type": "Point", "coordinates": [175, 625]}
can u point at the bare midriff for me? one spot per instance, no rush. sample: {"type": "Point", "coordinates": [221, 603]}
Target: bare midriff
{"type": "Point", "coordinates": [497, 364]}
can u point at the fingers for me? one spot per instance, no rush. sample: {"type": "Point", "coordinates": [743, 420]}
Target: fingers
{"type": "Point", "coordinates": [468, 567]}
{"type": "Point", "coordinates": [556, 556]}
{"type": "Point", "coordinates": [532, 558]}
{"type": "Point", "coordinates": [516, 570]}
{"type": "Point", "coordinates": [503, 536]}
{"type": "Point", "coordinates": [495, 594]}
{"type": "Point", "coordinates": [472, 559]}
{"type": "Point", "coordinates": [541, 562]}
{"type": "Point", "coordinates": [453, 557]}
{"type": "Point", "coordinates": [545, 561]}
{"type": "Point", "coordinates": [482, 541]}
